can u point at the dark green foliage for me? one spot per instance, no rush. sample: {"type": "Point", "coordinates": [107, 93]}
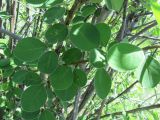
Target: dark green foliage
{"type": "Point", "coordinates": [47, 115]}
{"type": "Point", "coordinates": [67, 94]}
{"type": "Point", "coordinates": [53, 14]}
{"type": "Point", "coordinates": [33, 98]}
{"type": "Point", "coordinates": [72, 55]}
{"type": "Point", "coordinates": [29, 49]}
{"type": "Point", "coordinates": [102, 83]}
{"type": "Point", "coordinates": [85, 36]}
{"type": "Point", "coordinates": [79, 59]}
{"type": "Point", "coordinates": [105, 33]}
{"type": "Point", "coordinates": [48, 62]}
{"type": "Point", "coordinates": [56, 33]}
{"type": "Point", "coordinates": [62, 78]}
{"type": "Point", "coordinates": [80, 77]}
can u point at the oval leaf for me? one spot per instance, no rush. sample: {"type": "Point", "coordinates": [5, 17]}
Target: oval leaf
{"type": "Point", "coordinates": [20, 76]}
{"type": "Point", "coordinates": [96, 58]}
{"type": "Point", "coordinates": [53, 14]}
{"type": "Point", "coordinates": [30, 115]}
{"type": "Point", "coordinates": [102, 83]}
{"type": "Point", "coordinates": [114, 4]}
{"type": "Point", "coordinates": [57, 32]}
{"type": "Point", "coordinates": [48, 62]}
{"type": "Point", "coordinates": [148, 73]}
{"type": "Point", "coordinates": [36, 3]}
{"type": "Point", "coordinates": [85, 36]}
{"type": "Point", "coordinates": [123, 57]}
{"type": "Point", "coordinates": [33, 98]}
{"type": "Point", "coordinates": [32, 79]}
{"type": "Point", "coordinates": [88, 10]}
{"type": "Point", "coordinates": [72, 55]}
{"type": "Point", "coordinates": [29, 49]}
{"type": "Point", "coordinates": [47, 115]}
{"type": "Point", "coordinates": [80, 77]}
{"type": "Point", "coordinates": [67, 94]}
{"type": "Point", "coordinates": [105, 33]}
{"type": "Point", "coordinates": [62, 78]}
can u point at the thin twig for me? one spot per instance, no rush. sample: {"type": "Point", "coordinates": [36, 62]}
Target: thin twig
{"type": "Point", "coordinates": [10, 34]}
{"type": "Point", "coordinates": [133, 110]}
{"type": "Point", "coordinates": [122, 93]}
{"type": "Point", "coordinates": [143, 30]}
{"type": "Point", "coordinates": [151, 47]}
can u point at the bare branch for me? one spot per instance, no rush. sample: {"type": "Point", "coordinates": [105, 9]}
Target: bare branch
{"type": "Point", "coordinates": [143, 30]}
{"type": "Point", "coordinates": [10, 34]}
{"type": "Point", "coordinates": [151, 47]}
{"type": "Point", "coordinates": [133, 110]}
{"type": "Point", "coordinates": [77, 4]}
{"type": "Point", "coordinates": [76, 105]}
{"type": "Point", "coordinates": [122, 93]}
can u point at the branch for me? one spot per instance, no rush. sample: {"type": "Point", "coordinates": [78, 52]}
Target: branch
{"type": "Point", "coordinates": [113, 99]}
{"type": "Point", "coordinates": [133, 110]}
{"type": "Point", "coordinates": [73, 9]}
{"type": "Point", "coordinates": [151, 47]}
{"type": "Point", "coordinates": [146, 37]}
{"type": "Point", "coordinates": [86, 95]}
{"type": "Point", "coordinates": [125, 91]}
{"type": "Point", "coordinates": [10, 34]}
{"type": "Point", "coordinates": [122, 30]}
{"type": "Point", "coordinates": [76, 105]}
{"type": "Point", "coordinates": [143, 30]}
{"type": "Point", "coordinates": [99, 112]}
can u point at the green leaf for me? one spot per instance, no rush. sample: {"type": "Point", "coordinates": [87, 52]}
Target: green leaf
{"type": "Point", "coordinates": [33, 98]}
{"type": "Point", "coordinates": [30, 115]}
{"type": "Point", "coordinates": [36, 1]}
{"type": "Point", "coordinates": [62, 78]}
{"type": "Point", "coordinates": [96, 58]}
{"type": "Point", "coordinates": [78, 19]}
{"type": "Point", "coordinates": [72, 55]}
{"type": "Point", "coordinates": [155, 6]}
{"type": "Point", "coordinates": [67, 94]}
{"type": "Point", "coordinates": [50, 94]}
{"type": "Point", "coordinates": [26, 77]}
{"type": "Point", "coordinates": [102, 83]}
{"type": "Point", "coordinates": [29, 49]}
{"type": "Point", "coordinates": [105, 33]}
{"type": "Point", "coordinates": [88, 10]}
{"type": "Point", "coordinates": [80, 77]}
{"type": "Point", "coordinates": [47, 115]}
{"type": "Point", "coordinates": [8, 71]}
{"type": "Point", "coordinates": [48, 62]}
{"type": "Point", "coordinates": [53, 14]}
{"type": "Point", "coordinates": [20, 76]}
{"type": "Point", "coordinates": [57, 32]}
{"type": "Point", "coordinates": [4, 62]}
{"type": "Point", "coordinates": [51, 3]}
{"type": "Point", "coordinates": [123, 57]}
{"type": "Point", "coordinates": [18, 92]}
{"type": "Point", "coordinates": [114, 4]}
{"type": "Point", "coordinates": [85, 36]}
{"type": "Point", "coordinates": [32, 79]}
{"type": "Point", "coordinates": [96, 1]}
{"type": "Point", "coordinates": [148, 73]}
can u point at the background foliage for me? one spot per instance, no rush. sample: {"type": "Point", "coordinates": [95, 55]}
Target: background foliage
{"type": "Point", "coordinates": [79, 59]}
